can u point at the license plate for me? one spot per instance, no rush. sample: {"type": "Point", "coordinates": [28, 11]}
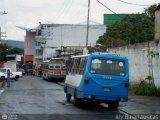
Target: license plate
{"type": "Point", "coordinates": [106, 89]}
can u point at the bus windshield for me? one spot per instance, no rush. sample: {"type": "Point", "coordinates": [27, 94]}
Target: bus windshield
{"type": "Point", "coordinates": [107, 66]}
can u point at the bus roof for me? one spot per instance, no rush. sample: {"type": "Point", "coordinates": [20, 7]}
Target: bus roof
{"type": "Point", "coordinates": [46, 61]}
{"type": "Point", "coordinates": [56, 59]}
{"type": "Point", "coordinates": [77, 56]}
{"type": "Point", "coordinates": [102, 54]}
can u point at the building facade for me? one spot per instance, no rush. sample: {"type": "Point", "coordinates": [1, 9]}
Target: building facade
{"type": "Point", "coordinates": [48, 40]}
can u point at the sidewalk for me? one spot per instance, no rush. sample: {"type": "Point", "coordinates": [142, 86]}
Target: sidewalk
{"type": "Point", "coordinates": [142, 105]}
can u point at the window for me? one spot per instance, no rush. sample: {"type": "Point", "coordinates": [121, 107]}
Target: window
{"type": "Point", "coordinates": [57, 66]}
{"type": "Point", "coordinates": [107, 66]}
{"type": "Point", "coordinates": [77, 65]}
{"type": "Point", "coordinates": [82, 65]}
{"type": "Point", "coordinates": [3, 70]}
{"type": "Point", "coordinates": [63, 66]}
{"type": "Point", "coordinates": [51, 66]}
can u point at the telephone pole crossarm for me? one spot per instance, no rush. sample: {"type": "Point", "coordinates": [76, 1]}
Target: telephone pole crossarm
{"type": "Point", "coordinates": [2, 13]}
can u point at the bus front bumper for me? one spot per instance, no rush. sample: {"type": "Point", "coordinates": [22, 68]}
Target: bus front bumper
{"type": "Point", "coordinates": [57, 76]}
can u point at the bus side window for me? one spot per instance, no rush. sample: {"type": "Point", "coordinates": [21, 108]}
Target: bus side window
{"type": "Point", "coordinates": [82, 65]}
{"type": "Point", "coordinates": [77, 65]}
{"type": "Point", "coordinates": [73, 66]}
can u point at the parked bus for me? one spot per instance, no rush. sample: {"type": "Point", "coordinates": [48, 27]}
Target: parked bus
{"type": "Point", "coordinates": [55, 68]}
{"type": "Point", "coordinates": [99, 78]}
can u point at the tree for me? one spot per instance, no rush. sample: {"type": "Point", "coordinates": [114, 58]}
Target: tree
{"type": "Point", "coordinates": [134, 28]}
{"type": "Point", "coordinates": [150, 11]}
{"type": "Point", "coordinates": [5, 50]}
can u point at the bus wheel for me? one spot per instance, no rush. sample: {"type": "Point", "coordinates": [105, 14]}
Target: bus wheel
{"type": "Point", "coordinates": [113, 105]}
{"type": "Point", "coordinates": [68, 97]}
{"type": "Point", "coordinates": [76, 101]}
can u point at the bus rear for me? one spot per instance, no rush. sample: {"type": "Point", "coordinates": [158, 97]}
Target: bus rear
{"type": "Point", "coordinates": [106, 78]}
{"type": "Point", "coordinates": [55, 69]}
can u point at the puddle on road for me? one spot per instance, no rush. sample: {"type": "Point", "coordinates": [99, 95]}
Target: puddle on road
{"type": "Point", "coordinates": [1, 91]}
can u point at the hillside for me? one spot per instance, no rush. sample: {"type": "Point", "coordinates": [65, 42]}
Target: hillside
{"type": "Point", "coordinates": [13, 43]}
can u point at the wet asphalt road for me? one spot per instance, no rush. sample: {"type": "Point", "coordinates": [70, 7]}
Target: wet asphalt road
{"type": "Point", "coordinates": [32, 98]}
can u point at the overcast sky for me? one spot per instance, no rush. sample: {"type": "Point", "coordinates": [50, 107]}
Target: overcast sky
{"type": "Point", "coordinates": [28, 13]}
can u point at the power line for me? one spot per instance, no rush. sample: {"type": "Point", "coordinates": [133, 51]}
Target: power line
{"type": "Point", "coordinates": [108, 8]}
{"type": "Point", "coordinates": [67, 5]}
{"type": "Point", "coordinates": [131, 3]}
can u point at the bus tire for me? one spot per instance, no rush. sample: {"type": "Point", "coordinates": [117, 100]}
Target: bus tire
{"type": "Point", "coordinates": [76, 101]}
{"type": "Point", "coordinates": [113, 105]}
{"type": "Point", "coordinates": [68, 97]}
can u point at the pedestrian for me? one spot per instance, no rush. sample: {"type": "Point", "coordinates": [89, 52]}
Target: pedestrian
{"type": "Point", "coordinates": [8, 78]}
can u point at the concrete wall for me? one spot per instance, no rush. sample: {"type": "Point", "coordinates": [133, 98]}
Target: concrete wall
{"type": "Point", "coordinates": [139, 62]}
{"type": "Point", "coordinates": [30, 43]}
{"type": "Point", "coordinates": [157, 25]}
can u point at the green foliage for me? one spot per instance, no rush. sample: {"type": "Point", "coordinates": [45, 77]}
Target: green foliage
{"type": "Point", "coordinates": [135, 28]}
{"type": "Point", "coordinates": [5, 50]}
{"type": "Point", "coordinates": [151, 54]}
{"type": "Point", "coordinates": [149, 78]}
{"type": "Point", "coordinates": [146, 88]}
{"type": "Point", "coordinates": [151, 10]}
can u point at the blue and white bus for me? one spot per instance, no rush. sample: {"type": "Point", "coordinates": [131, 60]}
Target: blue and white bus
{"type": "Point", "coordinates": [98, 77]}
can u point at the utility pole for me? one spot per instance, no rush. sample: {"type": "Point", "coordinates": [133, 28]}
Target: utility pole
{"type": "Point", "coordinates": [1, 33]}
{"type": "Point", "coordinates": [87, 36]}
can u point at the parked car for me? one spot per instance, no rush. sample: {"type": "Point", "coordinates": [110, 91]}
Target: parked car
{"type": "Point", "coordinates": [22, 70]}
{"type": "Point", "coordinates": [2, 76]}
{"type": "Point", "coordinates": [14, 75]}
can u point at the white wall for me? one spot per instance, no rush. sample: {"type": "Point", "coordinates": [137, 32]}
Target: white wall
{"type": "Point", "coordinates": [49, 53]}
{"type": "Point", "coordinates": [157, 25]}
{"type": "Point", "coordinates": [73, 35]}
{"type": "Point", "coordinates": [30, 43]}
{"type": "Point", "coordinates": [139, 62]}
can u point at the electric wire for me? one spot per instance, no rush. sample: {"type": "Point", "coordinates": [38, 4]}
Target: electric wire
{"type": "Point", "coordinates": [131, 3]}
{"type": "Point", "coordinates": [108, 8]}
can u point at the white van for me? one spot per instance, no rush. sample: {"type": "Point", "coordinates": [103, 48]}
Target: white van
{"type": "Point", "coordinates": [14, 75]}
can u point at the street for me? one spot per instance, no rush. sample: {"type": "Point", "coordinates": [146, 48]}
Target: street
{"type": "Point", "coordinates": [33, 98]}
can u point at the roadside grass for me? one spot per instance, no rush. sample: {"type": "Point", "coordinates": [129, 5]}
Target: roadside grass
{"type": "Point", "coordinates": [144, 88]}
